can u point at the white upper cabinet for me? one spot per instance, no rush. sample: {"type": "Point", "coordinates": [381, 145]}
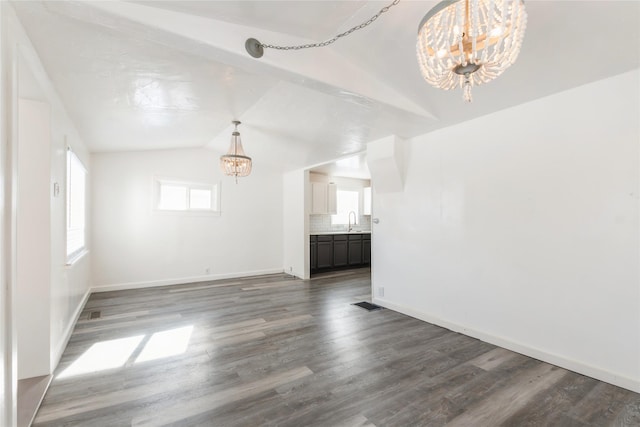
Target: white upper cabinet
{"type": "Point", "coordinates": [318, 198]}
{"type": "Point", "coordinates": [332, 198]}
{"type": "Point", "coordinates": [323, 198]}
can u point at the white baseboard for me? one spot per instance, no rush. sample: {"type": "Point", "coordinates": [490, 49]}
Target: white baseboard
{"type": "Point", "coordinates": [554, 359]}
{"type": "Point", "coordinates": [182, 280]}
{"type": "Point", "coordinates": [69, 330]}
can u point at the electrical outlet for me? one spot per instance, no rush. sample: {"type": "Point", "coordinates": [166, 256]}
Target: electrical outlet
{"type": "Point", "coordinates": [381, 291]}
{"type": "Point", "coordinates": [290, 269]}
{"type": "Point", "coordinates": [207, 270]}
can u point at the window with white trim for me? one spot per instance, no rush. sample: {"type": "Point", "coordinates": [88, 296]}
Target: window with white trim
{"type": "Point", "coordinates": [76, 206]}
{"type": "Point", "coordinates": [181, 196]}
{"type": "Point", "coordinates": [346, 201]}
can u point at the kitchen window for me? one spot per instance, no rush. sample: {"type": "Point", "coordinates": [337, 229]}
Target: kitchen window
{"type": "Point", "coordinates": [346, 201]}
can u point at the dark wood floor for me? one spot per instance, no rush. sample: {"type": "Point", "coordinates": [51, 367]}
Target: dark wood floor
{"type": "Point", "coordinates": [280, 351]}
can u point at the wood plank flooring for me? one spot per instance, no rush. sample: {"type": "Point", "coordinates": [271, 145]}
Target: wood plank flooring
{"type": "Point", "coordinates": [278, 351]}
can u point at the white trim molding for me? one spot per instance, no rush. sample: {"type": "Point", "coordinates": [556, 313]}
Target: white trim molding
{"type": "Point", "coordinates": [62, 345]}
{"type": "Point", "coordinates": [554, 359]}
{"type": "Point", "coordinates": [182, 280]}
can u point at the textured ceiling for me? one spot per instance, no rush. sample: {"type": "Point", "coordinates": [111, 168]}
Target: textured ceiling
{"type": "Point", "coordinates": [170, 74]}
{"type": "Point", "coordinates": [308, 19]}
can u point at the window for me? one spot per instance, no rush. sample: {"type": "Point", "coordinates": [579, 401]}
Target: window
{"type": "Point", "coordinates": [346, 201]}
{"type": "Point", "coordinates": [180, 196]}
{"type": "Point", "coordinates": [76, 206]}
{"type": "Point", "coordinates": [173, 197]}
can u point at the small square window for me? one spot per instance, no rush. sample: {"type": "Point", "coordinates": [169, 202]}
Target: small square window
{"type": "Point", "coordinates": [179, 196]}
{"type": "Point", "coordinates": [199, 199]}
{"type": "Point", "coordinates": [173, 197]}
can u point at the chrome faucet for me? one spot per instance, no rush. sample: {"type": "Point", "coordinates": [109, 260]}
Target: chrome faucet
{"type": "Point", "coordinates": [354, 220]}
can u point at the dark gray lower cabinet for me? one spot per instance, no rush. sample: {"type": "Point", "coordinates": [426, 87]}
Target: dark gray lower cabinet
{"type": "Point", "coordinates": [355, 250]}
{"type": "Point", "coordinates": [336, 251]}
{"type": "Point", "coordinates": [366, 249]}
{"type": "Point", "coordinates": [313, 252]}
{"type": "Point", "coordinates": [324, 252]}
{"type": "Point", "coordinates": [340, 250]}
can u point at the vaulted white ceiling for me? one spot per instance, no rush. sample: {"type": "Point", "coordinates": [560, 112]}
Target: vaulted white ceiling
{"type": "Point", "coordinates": [169, 74]}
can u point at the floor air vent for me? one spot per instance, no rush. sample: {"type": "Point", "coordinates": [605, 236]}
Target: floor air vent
{"type": "Point", "coordinates": [368, 306]}
{"type": "Point", "coordinates": [94, 315]}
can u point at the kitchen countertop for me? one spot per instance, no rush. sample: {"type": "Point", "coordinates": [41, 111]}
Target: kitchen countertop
{"type": "Point", "coordinates": [324, 233]}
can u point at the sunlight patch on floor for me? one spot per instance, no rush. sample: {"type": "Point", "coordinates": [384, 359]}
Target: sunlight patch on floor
{"type": "Point", "coordinates": [103, 355]}
{"type": "Point", "coordinates": [166, 343]}
{"type": "Point", "coordinates": [116, 353]}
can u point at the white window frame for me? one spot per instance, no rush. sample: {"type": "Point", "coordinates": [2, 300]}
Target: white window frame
{"type": "Point", "coordinates": [77, 252]}
{"type": "Point", "coordinates": [335, 218]}
{"type": "Point", "coordinates": [188, 185]}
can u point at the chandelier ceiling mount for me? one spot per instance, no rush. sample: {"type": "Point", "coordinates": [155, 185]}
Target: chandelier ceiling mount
{"type": "Point", "coordinates": [256, 48]}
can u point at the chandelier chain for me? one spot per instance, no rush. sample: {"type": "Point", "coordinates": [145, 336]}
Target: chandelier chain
{"type": "Point", "coordinates": [332, 40]}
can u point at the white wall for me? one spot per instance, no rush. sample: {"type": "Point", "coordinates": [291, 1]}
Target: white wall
{"type": "Point", "coordinates": [33, 227]}
{"type": "Point", "coordinates": [69, 284]}
{"type": "Point", "coordinates": [522, 228]}
{"type": "Point", "coordinates": [296, 205]}
{"type": "Point", "coordinates": [135, 246]}
{"type": "Point", "coordinates": [8, 361]}
{"type": "Point", "coordinates": [351, 183]}
{"type": "Point", "coordinates": [24, 76]}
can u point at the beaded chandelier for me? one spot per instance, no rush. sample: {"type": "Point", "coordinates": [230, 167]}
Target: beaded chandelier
{"type": "Point", "coordinates": [235, 162]}
{"type": "Point", "coordinates": [462, 43]}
